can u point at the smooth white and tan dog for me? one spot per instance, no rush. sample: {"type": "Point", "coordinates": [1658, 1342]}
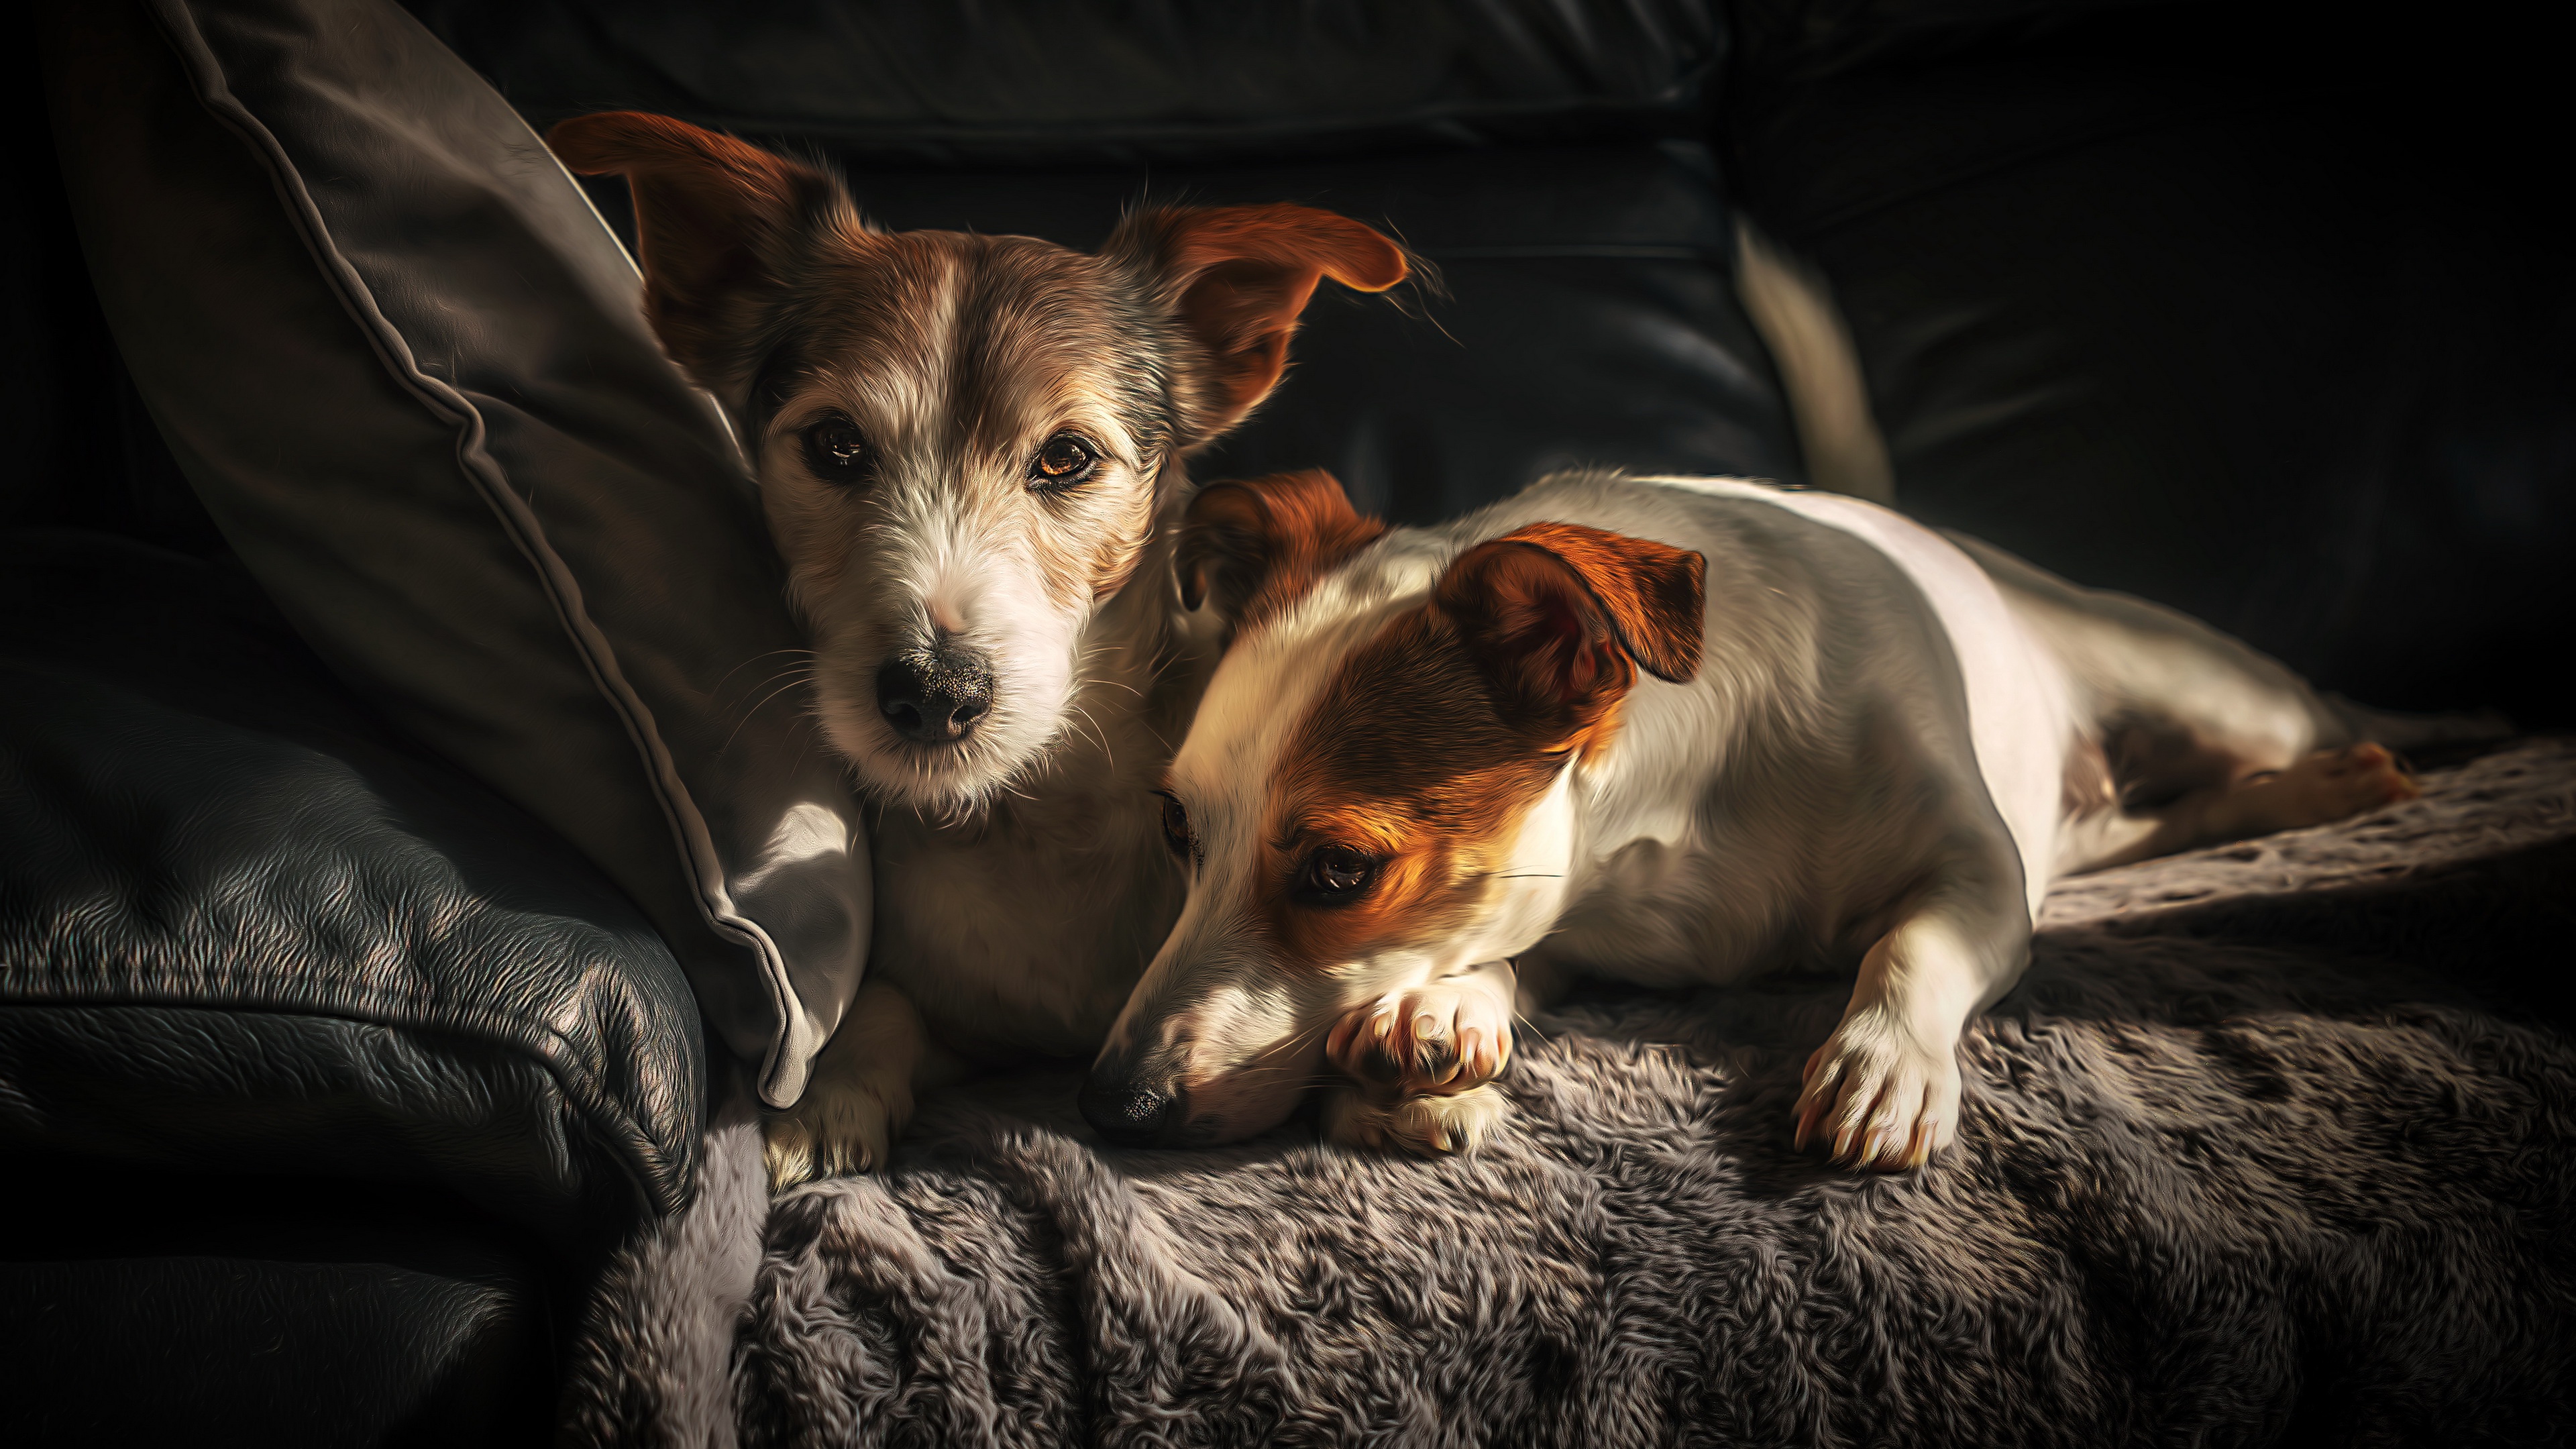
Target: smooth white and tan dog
{"type": "Point", "coordinates": [969, 449]}
{"type": "Point", "coordinates": [1668, 731]}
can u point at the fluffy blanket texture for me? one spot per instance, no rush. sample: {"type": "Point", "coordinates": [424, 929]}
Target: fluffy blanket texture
{"type": "Point", "coordinates": [2273, 1144]}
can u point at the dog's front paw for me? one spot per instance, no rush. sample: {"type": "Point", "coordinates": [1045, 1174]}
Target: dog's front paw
{"type": "Point", "coordinates": [1885, 1099]}
{"type": "Point", "coordinates": [1449, 1037]}
{"type": "Point", "coordinates": [838, 1127]}
{"type": "Point", "coordinates": [1431, 1125]}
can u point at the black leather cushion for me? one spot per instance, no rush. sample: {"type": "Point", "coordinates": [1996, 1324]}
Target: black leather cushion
{"type": "Point", "coordinates": [408, 372]}
{"type": "Point", "coordinates": [2261, 311]}
{"type": "Point", "coordinates": [245, 926]}
{"type": "Point", "coordinates": [136, 1308]}
{"type": "Point", "coordinates": [1020, 81]}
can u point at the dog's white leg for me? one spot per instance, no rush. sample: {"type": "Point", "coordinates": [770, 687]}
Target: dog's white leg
{"type": "Point", "coordinates": [1884, 1088]}
{"type": "Point", "coordinates": [860, 1095]}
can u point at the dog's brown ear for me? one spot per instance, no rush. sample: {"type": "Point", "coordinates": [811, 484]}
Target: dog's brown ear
{"type": "Point", "coordinates": [1560, 616]}
{"type": "Point", "coordinates": [1254, 547]}
{"type": "Point", "coordinates": [717, 223]}
{"type": "Point", "coordinates": [1237, 276]}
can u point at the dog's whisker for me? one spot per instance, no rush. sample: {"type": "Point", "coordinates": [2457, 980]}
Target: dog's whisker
{"type": "Point", "coordinates": [784, 683]}
{"type": "Point", "coordinates": [1109, 683]}
{"type": "Point", "coordinates": [755, 659]}
{"type": "Point", "coordinates": [1098, 734]}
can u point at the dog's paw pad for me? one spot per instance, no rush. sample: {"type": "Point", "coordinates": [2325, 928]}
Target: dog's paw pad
{"type": "Point", "coordinates": [1428, 1126]}
{"type": "Point", "coordinates": [1448, 1037]}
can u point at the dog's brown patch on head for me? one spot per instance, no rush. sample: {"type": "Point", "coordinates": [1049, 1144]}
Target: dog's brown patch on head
{"type": "Point", "coordinates": [1253, 547]}
{"type": "Point", "coordinates": [1048, 342]}
{"type": "Point", "coordinates": [958, 357]}
{"type": "Point", "coordinates": [1434, 738]}
{"type": "Point", "coordinates": [1406, 760]}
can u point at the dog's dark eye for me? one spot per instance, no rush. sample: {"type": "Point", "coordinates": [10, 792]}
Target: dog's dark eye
{"type": "Point", "coordinates": [1176, 827]}
{"type": "Point", "coordinates": [1336, 875]}
{"type": "Point", "coordinates": [1065, 461]}
{"type": "Point", "coordinates": [838, 452]}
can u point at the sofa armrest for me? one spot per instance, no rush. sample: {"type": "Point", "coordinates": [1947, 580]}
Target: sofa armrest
{"type": "Point", "coordinates": [246, 926]}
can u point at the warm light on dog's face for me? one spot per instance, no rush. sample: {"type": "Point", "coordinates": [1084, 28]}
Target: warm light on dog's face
{"type": "Point", "coordinates": [959, 466]}
{"type": "Point", "coordinates": [1355, 821]}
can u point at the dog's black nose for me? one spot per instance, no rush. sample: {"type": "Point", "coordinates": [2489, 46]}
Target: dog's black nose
{"type": "Point", "coordinates": [936, 695]}
{"type": "Point", "coordinates": [1128, 1113]}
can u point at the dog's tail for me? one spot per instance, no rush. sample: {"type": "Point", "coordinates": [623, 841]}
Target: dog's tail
{"type": "Point", "coordinates": [1792, 308]}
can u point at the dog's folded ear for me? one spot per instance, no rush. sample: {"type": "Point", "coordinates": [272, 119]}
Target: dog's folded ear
{"type": "Point", "coordinates": [1560, 616]}
{"type": "Point", "coordinates": [718, 223]}
{"type": "Point", "coordinates": [1237, 277]}
{"type": "Point", "coordinates": [1253, 547]}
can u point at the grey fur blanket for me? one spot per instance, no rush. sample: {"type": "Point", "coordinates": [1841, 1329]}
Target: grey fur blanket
{"type": "Point", "coordinates": [2273, 1144]}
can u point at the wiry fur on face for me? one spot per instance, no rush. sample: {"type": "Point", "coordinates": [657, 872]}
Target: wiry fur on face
{"type": "Point", "coordinates": [958, 358]}
{"type": "Point", "coordinates": [1374, 786]}
{"type": "Point", "coordinates": [905, 397]}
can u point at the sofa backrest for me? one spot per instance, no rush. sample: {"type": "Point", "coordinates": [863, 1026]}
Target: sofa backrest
{"type": "Point", "coordinates": [1547, 159]}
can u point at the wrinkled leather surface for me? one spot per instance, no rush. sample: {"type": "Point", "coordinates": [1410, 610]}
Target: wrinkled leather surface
{"type": "Point", "coordinates": [408, 373]}
{"type": "Point", "coordinates": [1021, 81]}
{"type": "Point", "coordinates": [270, 1312]}
{"type": "Point", "coordinates": [245, 926]}
{"type": "Point", "coordinates": [2255, 310]}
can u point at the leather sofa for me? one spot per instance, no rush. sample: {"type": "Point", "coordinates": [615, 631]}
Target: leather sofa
{"type": "Point", "coordinates": [330, 1078]}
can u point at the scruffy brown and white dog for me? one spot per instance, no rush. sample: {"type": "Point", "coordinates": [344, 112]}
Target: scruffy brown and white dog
{"type": "Point", "coordinates": [969, 451]}
{"type": "Point", "coordinates": [1668, 731]}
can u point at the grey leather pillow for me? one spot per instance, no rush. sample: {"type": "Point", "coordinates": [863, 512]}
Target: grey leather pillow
{"type": "Point", "coordinates": [407, 370]}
